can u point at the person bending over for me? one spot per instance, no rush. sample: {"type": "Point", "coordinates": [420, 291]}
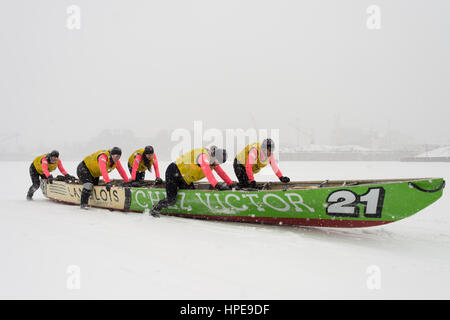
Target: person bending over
{"type": "Point", "coordinates": [142, 160]}
{"type": "Point", "coordinates": [252, 159]}
{"type": "Point", "coordinates": [190, 167]}
{"type": "Point", "coordinates": [98, 164]}
{"type": "Point", "coordinates": [41, 167]}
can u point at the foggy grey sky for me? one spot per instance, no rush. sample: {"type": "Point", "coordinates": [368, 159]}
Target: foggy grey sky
{"type": "Point", "coordinates": [151, 65]}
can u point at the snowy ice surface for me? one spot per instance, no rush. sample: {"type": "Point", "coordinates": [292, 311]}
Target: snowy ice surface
{"type": "Point", "coordinates": [118, 255]}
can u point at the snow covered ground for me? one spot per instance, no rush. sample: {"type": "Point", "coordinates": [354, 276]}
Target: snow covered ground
{"type": "Point", "coordinates": [51, 250]}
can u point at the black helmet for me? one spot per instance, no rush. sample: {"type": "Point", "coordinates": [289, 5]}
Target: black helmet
{"type": "Point", "coordinates": [116, 150]}
{"type": "Point", "coordinates": [219, 154]}
{"type": "Point", "coordinates": [54, 153]}
{"type": "Point", "coordinates": [268, 144]}
{"type": "Point", "coordinates": [212, 149]}
{"type": "Point", "coordinates": [148, 150]}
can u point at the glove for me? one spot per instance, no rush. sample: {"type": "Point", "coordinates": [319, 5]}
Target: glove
{"type": "Point", "coordinates": [221, 186]}
{"type": "Point", "coordinates": [234, 185]}
{"type": "Point", "coordinates": [108, 186]}
{"type": "Point", "coordinates": [50, 179]}
{"type": "Point", "coordinates": [68, 177]}
{"type": "Point", "coordinates": [158, 181]}
{"type": "Point", "coordinates": [284, 179]}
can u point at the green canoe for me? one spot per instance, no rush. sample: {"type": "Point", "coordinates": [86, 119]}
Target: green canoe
{"type": "Point", "coordinates": [345, 204]}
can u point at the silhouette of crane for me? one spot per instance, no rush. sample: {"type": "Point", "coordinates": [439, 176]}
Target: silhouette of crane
{"type": "Point", "coordinates": [303, 132]}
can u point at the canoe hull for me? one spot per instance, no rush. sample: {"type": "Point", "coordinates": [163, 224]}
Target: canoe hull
{"type": "Point", "coordinates": [364, 204]}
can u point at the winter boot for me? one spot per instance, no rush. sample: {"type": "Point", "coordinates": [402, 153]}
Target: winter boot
{"type": "Point", "coordinates": [85, 194]}
{"type": "Point", "coordinates": [31, 192]}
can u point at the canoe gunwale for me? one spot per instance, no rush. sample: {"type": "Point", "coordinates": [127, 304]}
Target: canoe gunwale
{"type": "Point", "coordinates": [275, 185]}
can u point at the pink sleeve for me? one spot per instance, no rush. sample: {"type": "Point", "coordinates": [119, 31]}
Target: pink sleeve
{"type": "Point", "coordinates": [45, 167]}
{"type": "Point", "coordinates": [223, 175]}
{"type": "Point", "coordinates": [136, 162]}
{"type": "Point", "coordinates": [274, 166]}
{"type": "Point", "coordinates": [204, 164]}
{"type": "Point", "coordinates": [252, 156]}
{"type": "Point", "coordinates": [102, 164]}
{"type": "Point", "coordinates": [155, 164]}
{"type": "Point", "coordinates": [122, 172]}
{"type": "Point", "coordinates": [61, 168]}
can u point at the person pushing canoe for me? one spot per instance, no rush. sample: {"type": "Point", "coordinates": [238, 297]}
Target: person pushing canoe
{"type": "Point", "coordinates": [95, 165]}
{"type": "Point", "coordinates": [41, 168]}
{"type": "Point", "coordinates": [190, 167]}
{"type": "Point", "coordinates": [142, 160]}
{"type": "Point", "coordinates": [252, 159]}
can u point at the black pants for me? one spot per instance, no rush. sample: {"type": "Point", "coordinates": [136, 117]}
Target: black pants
{"type": "Point", "coordinates": [87, 180]}
{"type": "Point", "coordinates": [35, 179]}
{"type": "Point", "coordinates": [85, 175]}
{"type": "Point", "coordinates": [140, 176]}
{"type": "Point", "coordinates": [174, 182]}
{"type": "Point", "coordinates": [241, 174]}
